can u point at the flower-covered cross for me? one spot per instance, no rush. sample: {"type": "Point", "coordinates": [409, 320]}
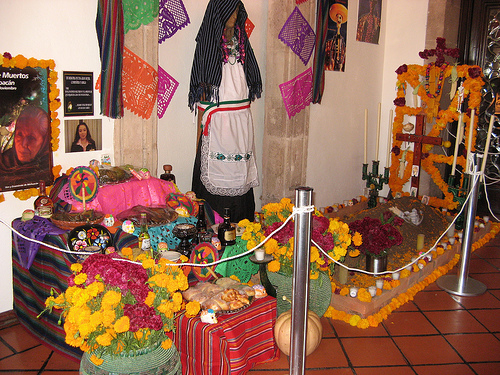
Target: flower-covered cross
{"type": "Point", "coordinates": [440, 51]}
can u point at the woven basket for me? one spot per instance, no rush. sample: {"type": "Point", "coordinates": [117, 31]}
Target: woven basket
{"type": "Point", "coordinates": [148, 361]}
{"type": "Point", "coordinates": [320, 292]}
{"type": "Point", "coordinates": [69, 225]}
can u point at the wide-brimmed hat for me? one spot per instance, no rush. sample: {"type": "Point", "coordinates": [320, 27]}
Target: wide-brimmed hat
{"type": "Point", "coordinates": [338, 9]}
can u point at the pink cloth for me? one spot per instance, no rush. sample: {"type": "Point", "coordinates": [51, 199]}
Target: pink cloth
{"type": "Point", "coordinates": [113, 199]}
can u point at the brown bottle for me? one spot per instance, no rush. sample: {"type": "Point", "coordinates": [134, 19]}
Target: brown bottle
{"type": "Point", "coordinates": [226, 231]}
{"type": "Point", "coordinates": [43, 204]}
{"type": "Point", "coordinates": [168, 175]}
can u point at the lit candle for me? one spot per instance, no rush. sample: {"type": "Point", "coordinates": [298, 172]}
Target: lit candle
{"type": "Point", "coordinates": [378, 130]}
{"type": "Point", "coordinates": [469, 140]}
{"type": "Point", "coordinates": [366, 135]}
{"type": "Point", "coordinates": [458, 140]}
{"type": "Point", "coordinates": [487, 146]}
{"type": "Point", "coordinates": [420, 241]}
{"type": "Point", "coordinates": [389, 141]}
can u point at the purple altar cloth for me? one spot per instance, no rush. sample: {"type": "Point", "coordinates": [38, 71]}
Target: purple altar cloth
{"type": "Point", "coordinates": [36, 228]}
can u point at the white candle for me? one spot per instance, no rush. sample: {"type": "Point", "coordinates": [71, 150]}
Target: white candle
{"type": "Point", "coordinates": [487, 146]}
{"type": "Point", "coordinates": [366, 135]}
{"type": "Point", "coordinates": [378, 130]}
{"type": "Point", "coordinates": [469, 140]}
{"type": "Point", "coordinates": [458, 140]}
{"type": "Point", "coordinates": [389, 140]}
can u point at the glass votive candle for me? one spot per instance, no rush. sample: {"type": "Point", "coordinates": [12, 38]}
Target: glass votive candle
{"type": "Point", "coordinates": [486, 219]}
{"type": "Point", "coordinates": [379, 283]}
{"type": "Point", "coordinates": [372, 290]}
{"type": "Point", "coordinates": [395, 276]}
{"type": "Point", "coordinates": [353, 291]}
{"type": "Point", "coordinates": [259, 254]}
{"type": "Point", "coordinates": [451, 240]}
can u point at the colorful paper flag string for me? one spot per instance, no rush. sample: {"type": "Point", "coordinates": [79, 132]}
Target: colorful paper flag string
{"type": "Point", "coordinates": [297, 93]}
{"type": "Point", "coordinates": [298, 35]}
{"type": "Point", "coordinates": [140, 84]}
{"type": "Point", "coordinates": [172, 17]}
{"type": "Point", "coordinates": [166, 89]}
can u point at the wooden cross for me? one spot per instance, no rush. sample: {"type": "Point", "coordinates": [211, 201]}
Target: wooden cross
{"type": "Point", "coordinates": [418, 139]}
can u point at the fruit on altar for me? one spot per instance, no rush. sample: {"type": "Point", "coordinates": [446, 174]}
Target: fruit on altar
{"type": "Point", "coordinates": [282, 332]}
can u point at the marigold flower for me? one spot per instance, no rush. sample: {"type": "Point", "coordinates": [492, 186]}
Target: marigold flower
{"type": "Point", "coordinates": [122, 324]}
{"type": "Point", "coordinates": [166, 344]}
{"type": "Point", "coordinates": [76, 267]}
{"type": "Point", "coordinates": [273, 266]}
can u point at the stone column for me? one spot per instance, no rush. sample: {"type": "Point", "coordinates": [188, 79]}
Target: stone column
{"type": "Point", "coordinates": [135, 139]}
{"type": "Point", "coordinates": [285, 140]}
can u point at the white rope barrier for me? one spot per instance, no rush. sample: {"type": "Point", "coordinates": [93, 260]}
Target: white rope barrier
{"type": "Point", "coordinates": [295, 212]}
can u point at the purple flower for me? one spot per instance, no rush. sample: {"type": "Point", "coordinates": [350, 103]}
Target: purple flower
{"type": "Point", "coordinates": [402, 69]}
{"type": "Point", "coordinates": [400, 102]}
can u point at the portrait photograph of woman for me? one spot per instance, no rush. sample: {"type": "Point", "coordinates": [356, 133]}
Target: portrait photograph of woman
{"type": "Point", "coordinates": [83, 135]}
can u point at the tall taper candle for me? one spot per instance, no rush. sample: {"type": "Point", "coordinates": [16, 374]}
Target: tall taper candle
{"type": "Point", "coordinates": [389, 141]}
{"type": "Point", "coordinates": [458, 140]}
{"type": "Point", "coordinates": [366, 135]}
{"type": "Point", "coordinates": [378, 130]}
{"type": "Point", "coordinates": [469, 140]}
{"type": "Point", "coordinates": [487, 146]}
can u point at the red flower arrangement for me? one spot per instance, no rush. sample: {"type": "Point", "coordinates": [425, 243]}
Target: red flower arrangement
{"type": "Point", "coordinates": [378, 236]}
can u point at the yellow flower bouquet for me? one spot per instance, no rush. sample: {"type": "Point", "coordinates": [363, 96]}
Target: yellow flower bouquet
{"type": "Point", "coordinates": [112, 306]}
{"type": "Point", "coordinates": [332, 235]}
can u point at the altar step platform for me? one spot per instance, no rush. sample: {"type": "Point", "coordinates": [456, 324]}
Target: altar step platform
{"type": "Point", "coordinates": [352, 310]}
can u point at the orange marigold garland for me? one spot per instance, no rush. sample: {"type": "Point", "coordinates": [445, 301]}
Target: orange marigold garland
{"type": "Point", "coordinates": [409, 76]}
{"type": "Point", "coordinates": [375, 319]}
{"type": "Point", "coordinates": [22, 62]}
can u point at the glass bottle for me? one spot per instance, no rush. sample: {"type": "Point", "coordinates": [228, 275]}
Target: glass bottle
{"type": "Point", "coordinates": [168, 175]}
{"type": "Point", "coordinates": [201, 224]}
{"type": "Point", "coordinates": [226, 231]}
{"type": "Point", "coordinates": [144, 239]}
{"type": "Point", "coordinates": [43, 204]}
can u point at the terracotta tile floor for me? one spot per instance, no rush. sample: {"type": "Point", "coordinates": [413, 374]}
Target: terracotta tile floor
{"type": "Point", "coordinates": [436, 333]}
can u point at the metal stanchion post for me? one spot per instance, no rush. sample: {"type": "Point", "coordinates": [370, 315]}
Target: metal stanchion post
{"type": "Point", "coordinates": [462, 284]}
{"type": "Point", "coordinates": [300, 285]}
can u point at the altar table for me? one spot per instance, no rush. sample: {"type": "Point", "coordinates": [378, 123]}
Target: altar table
{"type": "Point", "coordinates": [232, 346]}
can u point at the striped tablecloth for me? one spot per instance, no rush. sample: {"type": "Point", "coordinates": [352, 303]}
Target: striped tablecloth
{"type": "Point", "coordinates": [232, 346]}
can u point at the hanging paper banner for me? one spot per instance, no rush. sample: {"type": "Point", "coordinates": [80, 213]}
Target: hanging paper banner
{"type": "Point", "coordinates": [298, 35]}
{"type": "Point", "coordinates": [138, 12]}
{"type": "Point", "coordinates": [249, 26]}
{"type": "Point", "coordinates": [166, 89]}
{"type": "Point", "coordinates": [336, 36]}
{"type": "Point", "coordinates": [297, 93]}
{"type": "Point", "coordinates": [140, 84]}
{"type": "Point", "coordinates": [172, 17]}
{"type": "Point", "coordinates": [369, 21]}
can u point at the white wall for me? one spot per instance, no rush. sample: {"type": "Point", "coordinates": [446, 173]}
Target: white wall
{"type": "Point", "coordinates": [336, 129]}
{"type": "Point", "coordinates": [177, 128]}
{"type": "Point", "coordinates": [63, 30]}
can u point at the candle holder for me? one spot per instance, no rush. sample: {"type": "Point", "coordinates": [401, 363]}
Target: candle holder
{"type": "Point", "coordinates": [460, 195]}
{"type": "Point", "coordinates": [374, 181]}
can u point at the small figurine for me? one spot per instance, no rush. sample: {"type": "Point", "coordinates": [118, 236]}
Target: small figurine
{"type": "Point", "coordinates": [27, 215]}
{"type": "Point", "coordinates": [208, 316]}
{"type": "Point", "coordinates": [144, 173]}
{"type": "Point", "coordinates": [128, 227]}
{"type": "Point", "coordinates": [109, 220]}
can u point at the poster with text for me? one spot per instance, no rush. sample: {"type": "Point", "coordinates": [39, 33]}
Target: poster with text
{"type": "Point", "coordinates": [78, 93]}
{"type": "Point", "coordinates": [25, 131]}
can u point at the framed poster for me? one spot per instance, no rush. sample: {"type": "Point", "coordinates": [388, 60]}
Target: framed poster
{"type": "Point", "coordinates": [78, 93]}
{"type": "Point", "coordinates": [25, 130]}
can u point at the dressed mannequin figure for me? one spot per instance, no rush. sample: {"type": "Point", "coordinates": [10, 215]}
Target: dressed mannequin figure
{"type": "Point", "coordinates": [225, 78]}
